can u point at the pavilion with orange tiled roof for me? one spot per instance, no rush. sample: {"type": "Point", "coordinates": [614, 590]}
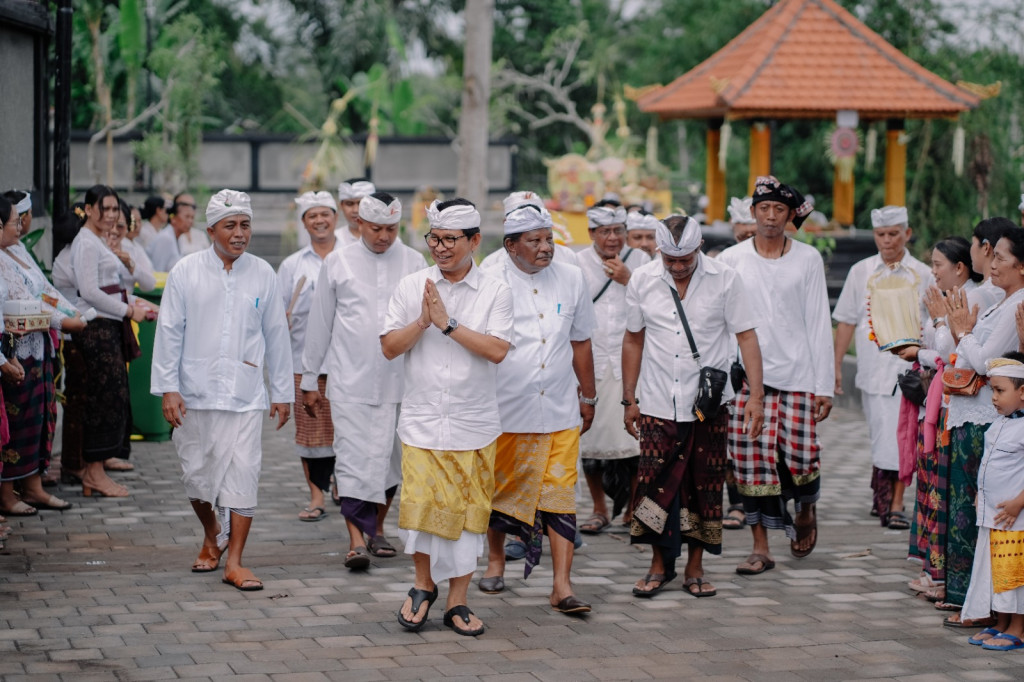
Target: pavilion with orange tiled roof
{"type": "Point", "coordinates": [807, 59]}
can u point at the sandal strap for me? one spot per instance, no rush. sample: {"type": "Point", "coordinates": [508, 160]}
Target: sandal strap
{"type": "Point", "coordinates": [462, 611]}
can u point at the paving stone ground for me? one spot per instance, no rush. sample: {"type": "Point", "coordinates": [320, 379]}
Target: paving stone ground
{"type": "Point", "coordinates": [104, 592]}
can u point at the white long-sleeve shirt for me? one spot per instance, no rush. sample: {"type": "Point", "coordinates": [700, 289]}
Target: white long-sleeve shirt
{"type": "Point", "coordinates": [163, 250]}
{"type": "Point", "coordinates": [876, 370]}
{"type": "Point", "coordinates": [303, 263]}
{"type": "Point", "coordinates": [716, 308]}
{"type": "Point", "coordinates": [215, 331]}
{"type": "Point", "coordinates": [791, 299]}
{"type": "Point", "coordinates": [450, 398]}
{"type": "Point", "coordinates": [143, 275]}
{"type": "Point", "coordinates": [348, 309]}
{"type": "Point", "coordinates": [1001, 474]}
{"type": "Point", "coordinates": [94, 266]}
{"type": "Point", "coordinates": [609, 309]}
{"type": "Point", "coordinates": [536, 381]}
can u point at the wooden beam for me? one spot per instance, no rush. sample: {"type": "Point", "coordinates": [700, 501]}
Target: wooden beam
{"type": "Point", "coordinates": [895, 164]}
{"type": "Point", "coordinates": [760, 153]}
{"type": "Point", "coordinates": [714, 179]}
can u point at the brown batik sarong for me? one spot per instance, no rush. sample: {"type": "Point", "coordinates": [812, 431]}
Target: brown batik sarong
{"type": "Point", "coordinates": [680, 478]}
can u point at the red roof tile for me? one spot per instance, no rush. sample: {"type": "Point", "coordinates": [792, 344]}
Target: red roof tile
{"type": "Point", "coordinates": [808, 59]}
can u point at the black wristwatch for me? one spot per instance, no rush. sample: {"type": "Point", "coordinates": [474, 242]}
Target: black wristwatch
{"type": "Point", "coordinates": [627, 403]}
{"type": "Point", "coordinates": [452, 326]}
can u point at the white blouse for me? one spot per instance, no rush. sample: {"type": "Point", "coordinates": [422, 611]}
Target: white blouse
{"type": "Point", "coordinates": [93, 266]}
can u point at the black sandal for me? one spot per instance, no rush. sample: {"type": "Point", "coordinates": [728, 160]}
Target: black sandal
{"type": "Point", "coordinates": [734, 522]}
{"type": "Point", "coordinates": [898, 521]}
{"type": "Point", "coordinates": [418, 597]}
{"type": "Point", "coordinates": [463, 612]}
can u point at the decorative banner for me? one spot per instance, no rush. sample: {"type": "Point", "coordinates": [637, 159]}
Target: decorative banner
{"type": "Point", "coordinates": [959, 144]}
{"type": "Point", "coordinates": [843, 145]}
{"type": "Point", "coordinates": [723, 145]}
{"type": "Point", "coordinates": [871, 148]}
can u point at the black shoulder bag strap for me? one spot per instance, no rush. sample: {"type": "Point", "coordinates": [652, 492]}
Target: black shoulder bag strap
{"type": "Point", "coordinates": [608, 283]}
{"type": "Point", "coordinates": [686, 325]}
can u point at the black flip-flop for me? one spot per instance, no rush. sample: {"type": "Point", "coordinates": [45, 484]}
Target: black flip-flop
{"type": "Point", "coordinates": [463, 612]}
{"type": "Point", "coordinates": [380, 547]}
{"type": "Point", "coordinates": [418, 597]}
{"type": "Point", "coordinates": [359, 560]}
{"type": "Point", "coordinates": [312, 519]}
{"type": "Point", "coordinates": [699, 583]}
{"type": "Point", "coordinates": [662, 578]}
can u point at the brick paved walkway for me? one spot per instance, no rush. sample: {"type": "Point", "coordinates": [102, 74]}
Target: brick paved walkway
{"type": "Point", "coordinates": [104, 592]}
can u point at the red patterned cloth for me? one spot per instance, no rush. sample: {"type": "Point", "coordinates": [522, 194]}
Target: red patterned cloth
{"type": "Point", "coordinates": [313, 432]}
{"type": "Point", "coordinates": [789, 430]}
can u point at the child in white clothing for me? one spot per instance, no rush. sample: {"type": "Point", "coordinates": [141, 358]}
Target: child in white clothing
{"type": "Point", "coordinates": [997, 578]}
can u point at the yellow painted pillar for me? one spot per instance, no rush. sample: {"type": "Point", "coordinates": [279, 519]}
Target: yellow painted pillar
{"type": "Point", "coordinates": [842, 198]}
{"type": "Point", "coordinates": [895, 164]}
{"type": "Point", "coordinates": [714, 179]}
{"type": "Point", "coordinates": [760, 153]}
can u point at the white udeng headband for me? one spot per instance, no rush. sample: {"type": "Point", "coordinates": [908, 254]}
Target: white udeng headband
{"type": "Point", "coordinates": [526, 219]}
{"type": "Point", "coordinates": [227, 202]}
{"type": "Point", "coordinates": [373, 210]}
{"type": "Point", "coordinates": [1006, 368]}
{"type": "Point", "coordinates": [517, 199]}
{"type": "Point", "coordinates": [889, 216]}
{"type": "Point", "coordinates": [457, 217]}
{"type": "Point", "coordinates": [739, 211]}
{"type": "Point", "coordinates": [640, 221]}
{"type": "Point", "coordinates": [25, 205]}
{"type": "Point", "coordinates": [315, 200]}
{"type": "Point", "coordinates": [355, 190]}
{"type": "Point", "coordinates": [599, 216]}
{"type": "Point", "coordinates": [688, 242]}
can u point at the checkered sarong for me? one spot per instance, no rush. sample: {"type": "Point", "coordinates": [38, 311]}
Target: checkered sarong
{"type": "Point", "coordinates": [789, 431]}
{"type": "Point", "coordinates": [313, 432]}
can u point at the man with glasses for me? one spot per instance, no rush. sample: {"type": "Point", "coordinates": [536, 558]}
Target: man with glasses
{"type": "Point", "coordinates": [453, 324]}
{"type": "Point", "coordinates": [165, 250]}
{"type": "Point", "coordinates": [609, 453]}
{"type": "Point", "coordinates": [364, 390]}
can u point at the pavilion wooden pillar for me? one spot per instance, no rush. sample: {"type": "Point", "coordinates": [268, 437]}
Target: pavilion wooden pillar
{"type": "Point", "coordinates": [760, 153]}
{"type": "Point", "coordinates": [842, 198]}
{"type": "Point", "coordinates": [714, 180]}
{"type": "Point", "coordinates": [895, 164]}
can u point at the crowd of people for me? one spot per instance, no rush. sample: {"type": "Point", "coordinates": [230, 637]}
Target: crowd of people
{"type": "Point", "coordinates": [477, 388]}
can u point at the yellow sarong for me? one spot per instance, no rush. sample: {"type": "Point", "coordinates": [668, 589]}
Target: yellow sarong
{"type": "Point", "coordinates": [445, 492]}
{"type": "Point", "coordinates": [1007, 551]}
{"type": "Point", "coordinates": [536, 472]}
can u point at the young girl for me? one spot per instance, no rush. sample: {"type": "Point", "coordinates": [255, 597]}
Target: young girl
{"type": "Point", "coordinates": [997, 580]}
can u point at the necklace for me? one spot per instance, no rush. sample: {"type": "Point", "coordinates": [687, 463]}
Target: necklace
{"type": "Point", "coordinates": [785, 247]}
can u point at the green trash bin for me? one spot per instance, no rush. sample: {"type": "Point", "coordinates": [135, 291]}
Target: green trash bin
{"type": "Point", "coordinates": [147, 409]}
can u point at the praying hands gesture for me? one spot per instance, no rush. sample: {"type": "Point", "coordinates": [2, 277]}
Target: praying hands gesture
{"type": "Point", "coordinates": [935, 301]}
{"type": "Point", "coordinates": [960, 315]}
{"type": "Point", "coordinates": [434, 311]}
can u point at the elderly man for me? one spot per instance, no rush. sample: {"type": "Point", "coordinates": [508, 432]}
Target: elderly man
{"type": "Point", "coordinates": [685, 311]}
{"type": "Point", "coordinates": [877, 370]}
{"type": "Point", "coordinates": [609, 453]}
{"type": "Point", "coordinates": [363, 388]}
{"type": "Point", "coordinates": [193, 239]}
{"type": "Point", "coordinates": [640, 228]}
{"type": "Point", "coordinates": [454, 324]}
{"type": "Point", "coordinates": [164, 250]}
{"type": "Point", "coordinates": [785, 281]}
{"type": "Point", "coordinates": [510, 203]}
{"type": "Point", "coordinates": [350, 193]}
{"type": "Point", "coordinates": [221, 317]}
{"type": "Point", "coordinates": [535, 464]}
{"type": "Point", "coordinates": [297, 279]}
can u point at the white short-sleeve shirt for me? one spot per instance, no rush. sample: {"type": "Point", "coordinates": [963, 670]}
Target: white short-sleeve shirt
{"type": "Point", "coordinates": [450, 399]}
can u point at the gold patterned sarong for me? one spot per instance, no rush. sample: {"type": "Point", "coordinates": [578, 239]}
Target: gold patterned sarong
{"type": "Point", "coordinates": [445, 492]}
{"type": "Point", "coordinates": [1007, 550]}
{"type": "Point", "coordinates": [536, 472]}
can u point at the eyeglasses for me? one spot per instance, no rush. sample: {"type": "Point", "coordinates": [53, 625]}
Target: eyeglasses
{"type": "Point", "coordinates": [609, 231]}
{"type": "Point", "coordinates": [17, 221]}
{"type": "Point", "coordinates": [449, 241]}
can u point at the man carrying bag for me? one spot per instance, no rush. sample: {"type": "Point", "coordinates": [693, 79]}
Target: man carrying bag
{"type": "Point", "coordinates": [683, 312]}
